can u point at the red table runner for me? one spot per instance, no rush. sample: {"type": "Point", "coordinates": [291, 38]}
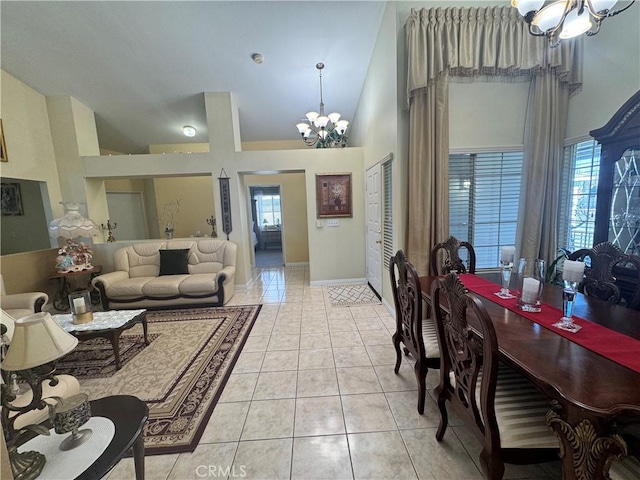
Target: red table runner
{"type": "Point", "coordinates": [615, 346]}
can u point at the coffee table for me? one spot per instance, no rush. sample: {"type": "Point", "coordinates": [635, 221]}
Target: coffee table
{"type": "Point", "coordinates": [109, 325]}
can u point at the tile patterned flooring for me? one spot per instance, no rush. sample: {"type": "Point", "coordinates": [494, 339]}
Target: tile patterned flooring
{"type": "Point", "coordinates": [314, 396]}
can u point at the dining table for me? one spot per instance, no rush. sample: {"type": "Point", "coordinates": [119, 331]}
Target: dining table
{"type": "Point", "coordinates": [592, 377]}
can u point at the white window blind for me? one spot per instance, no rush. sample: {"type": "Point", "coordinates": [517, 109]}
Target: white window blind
{"type": "Point", "coordinates": [484, 193]}
{"type": "Point", "coordinates": [387, 221]}
{"type": "Point", "coordinates": [581, 164]}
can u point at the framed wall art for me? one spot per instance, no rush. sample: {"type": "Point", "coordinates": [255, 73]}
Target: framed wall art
{"type": "Point", "coordinates": [333, 195]}
{"type": "Point", "coordinates": [10, 199]}
{"type": "Point", "coordinates": [3, 148]}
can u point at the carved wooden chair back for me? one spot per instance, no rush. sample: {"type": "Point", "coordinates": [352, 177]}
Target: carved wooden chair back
{"type": "Point", "coordinates": [599, 278]}
{"type": "Point", "coordinates": [411, 331]}
{"type": "Point", "coordinates": [471, 378]}
{"type": "Point", "coordinates": [445, 257]}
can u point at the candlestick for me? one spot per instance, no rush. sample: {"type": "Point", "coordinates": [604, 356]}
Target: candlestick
{"type": "Point", "coordinates": [506, 264]}
{"type": "Point", "coordinates": [530, 284]}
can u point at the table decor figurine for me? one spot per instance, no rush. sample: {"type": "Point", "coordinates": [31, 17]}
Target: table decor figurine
{"type": "Point", "coordinates": [572, 273]}
{"type": "Point", "coordinates": [506, 264]}
{"type": "Point", "coordinates": [530, 284]}
{"type": "Point", "coordinates": [70, 414]}
{"type": "Point", "coordinates": [80, 303]}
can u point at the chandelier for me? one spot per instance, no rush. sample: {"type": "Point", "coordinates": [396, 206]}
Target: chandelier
{"type": "Point", "coordinates": [323, 131]}
{"type": "Point", "coordinates": [562, 19]}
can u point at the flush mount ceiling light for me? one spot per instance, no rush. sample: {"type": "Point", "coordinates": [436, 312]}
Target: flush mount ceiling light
{"type": "Point", "coordinates": [323, 131]}
{"type": "Point", "coordinates": [189, 131]}
{"type": "Point", "coordinates": [561, 19]}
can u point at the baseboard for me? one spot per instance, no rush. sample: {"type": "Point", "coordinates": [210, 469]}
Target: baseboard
{"type": "Point", "coordinates": [342, 281]}
{"type": "Point", "coordinates": [389, 308]}
{"type": "Point", "coordinates": [296, 264]}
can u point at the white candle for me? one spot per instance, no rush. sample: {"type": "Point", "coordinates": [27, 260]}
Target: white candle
{"type": "Point", "coordinates": [507, 254]}
{"type": "Point", "coordinates": [572, 271]}
{"type": "Point", "coordinates": [79, 306]}
{"type": "Point", "coordinates": [530, 288]}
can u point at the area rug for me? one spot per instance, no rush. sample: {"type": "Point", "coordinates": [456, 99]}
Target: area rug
{"type": "Point", "coordinates": [95, 359]}
{"type": "Point", "coordinates": [352, 295]}
{"type": "Point", "coordinates": [182, 373]}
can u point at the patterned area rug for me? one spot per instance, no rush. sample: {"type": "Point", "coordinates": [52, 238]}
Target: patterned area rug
{"type": "Point", "coordinates": [94, 358]}
{"type": "Point", "coordinates": [181, 374]}
{"type": "Point", "coordinates": [352, 295]}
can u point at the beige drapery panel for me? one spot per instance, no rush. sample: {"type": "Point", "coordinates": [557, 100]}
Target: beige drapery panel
{"type": "Point", "coordinates": [473, 42]}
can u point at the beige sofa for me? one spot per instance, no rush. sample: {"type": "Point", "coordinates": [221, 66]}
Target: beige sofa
{"type": "Point", "coordinates": [208, 278]}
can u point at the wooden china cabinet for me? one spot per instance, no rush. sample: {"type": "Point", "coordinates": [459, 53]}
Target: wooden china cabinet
{"type": "Point", "coordinates": [618, 201]}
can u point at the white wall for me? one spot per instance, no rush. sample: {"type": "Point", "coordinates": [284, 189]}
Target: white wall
{"type": "Point", "coordinates": [611, 73]}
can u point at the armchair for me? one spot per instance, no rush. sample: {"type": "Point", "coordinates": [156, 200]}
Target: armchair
{"type": "Point", "coordinates": [21, 304]}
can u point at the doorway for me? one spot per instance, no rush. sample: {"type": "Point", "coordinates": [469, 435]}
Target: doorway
{"type": "Point", "coordinates": [267, 228]}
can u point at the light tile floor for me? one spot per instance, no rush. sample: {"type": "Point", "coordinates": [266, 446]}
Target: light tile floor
{"type": "Point", "coordinates": [314, 396]}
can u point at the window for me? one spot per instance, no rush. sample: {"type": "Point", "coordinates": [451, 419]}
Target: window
{"type": "Point", "coordinates": [270, 210]}
{"type": "Point", "coordinates": [484, 193]}
{"type": "Point", "coordinates": [581, 163]}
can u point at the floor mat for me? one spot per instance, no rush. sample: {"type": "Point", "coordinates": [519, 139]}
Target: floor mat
{"type": "Point", "coordinates": [352, 295]}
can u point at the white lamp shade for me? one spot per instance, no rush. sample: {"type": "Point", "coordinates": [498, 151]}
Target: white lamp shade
{"type": "Point", "coordinates": [526, 6]}
{"type": "Point", "coordinates": [321, 122]}
{"type": "Point", "coordinates": [602, 5]}
{"type": "Point", "coordinates": [303, 127]}
{"type": "Point", "coordinates": [37, 340]}
{"type": "Point", "coordinates": [334, 117]}
{"type": "Point", "coordinates": [341, 126]}
{"type": "Point", "coordinates": [311, 116]}
{"type": "Point", "coordinates": [72, 224]}
{"type": "Point", "coordinates": [323, 134]}
{"type": "Point", "coordinates": [575, 24]}
{"type": "Point", "coordinates": [550, 16]}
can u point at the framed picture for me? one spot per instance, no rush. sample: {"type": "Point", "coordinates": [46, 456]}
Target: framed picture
{"type": "Point", "coordinates": [10, 199]}
{"type": "Point", "coordinates": [3, 148]}
{"type": "Point", "coordinates": [333, 194]}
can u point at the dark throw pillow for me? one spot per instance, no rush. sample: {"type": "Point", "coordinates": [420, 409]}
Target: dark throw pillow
{"type": "Point", "coordinates": [174, 262]}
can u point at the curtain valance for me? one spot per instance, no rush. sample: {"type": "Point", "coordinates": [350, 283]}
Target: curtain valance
{"type": "Point", "coordinates": [489, 41]}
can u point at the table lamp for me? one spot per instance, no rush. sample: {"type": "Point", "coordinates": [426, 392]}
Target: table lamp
{"type": "Point", "coordinates": [38, 341]}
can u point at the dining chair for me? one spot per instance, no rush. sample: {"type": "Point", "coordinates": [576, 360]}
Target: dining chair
{"type": "Point", "coordinates": [503, 408]}
{"type": "Point", "coordinates": [418, 335]}
{"type": "Point", "coordinates": [600, 278]}
{"type": "Point", "coordinates": [445, 257]}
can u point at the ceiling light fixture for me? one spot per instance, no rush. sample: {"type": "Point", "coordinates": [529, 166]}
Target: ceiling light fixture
{"type": "Point", "coordinates": [257, 58]}
{"type": "Point", "coordinates": [323, 131]}
{"type": "Point", "coordinates": [189, 131]}
{"type": "Point", "coordinates": [562, 19]}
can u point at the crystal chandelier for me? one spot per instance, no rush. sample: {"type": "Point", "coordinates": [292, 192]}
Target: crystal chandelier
{"type": "Point", "coordinates": [563, 19]}
{"type": "Point", "coordinates": [323, 131]}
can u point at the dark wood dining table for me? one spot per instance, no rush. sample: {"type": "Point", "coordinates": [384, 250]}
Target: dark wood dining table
{"type": "Point", "coordinates": [595, 401]}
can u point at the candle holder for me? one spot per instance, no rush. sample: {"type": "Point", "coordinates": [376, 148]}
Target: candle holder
{"type": "Point", "coordinates": [572, 274]}
{"type": "Point", "coordinates": [80, 303]}
{"type": "Point", "coordinates": [506, 265]}
{"type": "Point", "coordinates": [212, 222]}
{"type": "Point", "coordinates": [70, 414]}
{"type": "Point", "coordinates": [530, 284]}
{"type": "Point", "coordinates": [109, 228]}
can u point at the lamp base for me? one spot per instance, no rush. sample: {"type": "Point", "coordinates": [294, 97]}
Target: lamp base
{"type": "Point", "coordinates": [77, 438]}
{"type": "Point", "coordinates": [25, 465]}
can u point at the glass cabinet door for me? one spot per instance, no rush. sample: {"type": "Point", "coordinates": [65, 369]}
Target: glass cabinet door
{"type": "Point", "coordinates": [624, 223]}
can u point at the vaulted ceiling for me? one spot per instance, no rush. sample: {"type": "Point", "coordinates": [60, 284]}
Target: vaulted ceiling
{"type": "Point", "coordinates": [142, 66]}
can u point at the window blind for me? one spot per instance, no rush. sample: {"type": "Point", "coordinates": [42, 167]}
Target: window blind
{"type": "Point", "coordinates": [387, 221]}
{"type": "Point", "coordinates": [579, 180]}
{"type": "Point", "coordinates": [484, 193]}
